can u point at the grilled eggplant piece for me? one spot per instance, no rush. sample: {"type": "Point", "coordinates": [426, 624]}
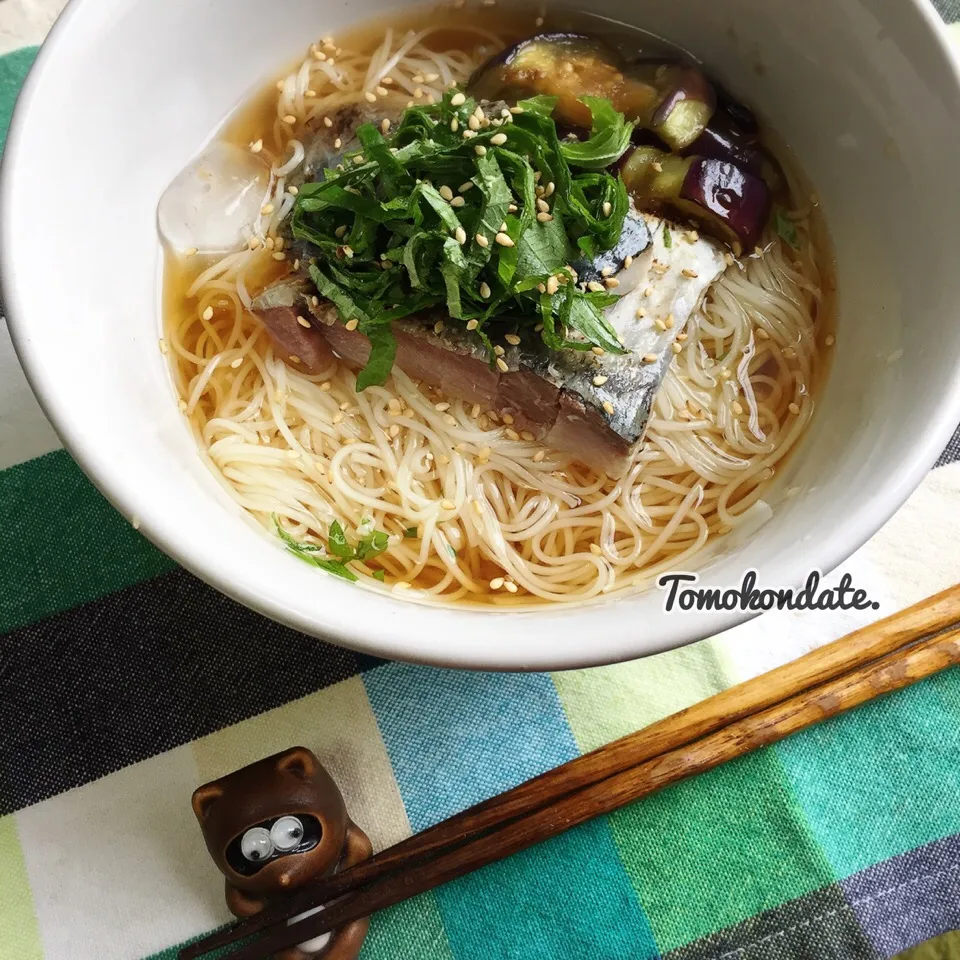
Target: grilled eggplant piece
{"type": "Point", "coordinates": [729, 201]}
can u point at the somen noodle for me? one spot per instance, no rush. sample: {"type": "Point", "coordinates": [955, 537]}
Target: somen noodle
{"type": "Point", "coordinates": [475, 510]}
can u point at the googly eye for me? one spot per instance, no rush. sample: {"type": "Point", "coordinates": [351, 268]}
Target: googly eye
{"type": "Point", "coordinates": [256, 844]}
{"type": "Point", "coordinates": [286, 833]}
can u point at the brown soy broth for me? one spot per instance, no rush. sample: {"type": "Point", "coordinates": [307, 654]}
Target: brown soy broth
{"type": "Point", "coordinates": [257, 119]}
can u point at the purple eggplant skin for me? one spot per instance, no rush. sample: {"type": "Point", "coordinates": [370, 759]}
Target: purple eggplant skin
{"type": "Point", "coordinates": [724, 139]}
{"type": "Point", "coordinates": [683, 100]}
{"type": "Point", "coordinates": [742, 117]}
{"type": "Point", "coordinates": [734, 197]}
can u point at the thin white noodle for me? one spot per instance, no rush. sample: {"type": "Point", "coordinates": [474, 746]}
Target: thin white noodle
{"type": "Point", "coordinates": [309, 449]}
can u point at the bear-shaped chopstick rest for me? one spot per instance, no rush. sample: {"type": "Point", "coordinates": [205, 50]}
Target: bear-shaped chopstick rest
{"type": "Point", "coordinates": [272, 828]}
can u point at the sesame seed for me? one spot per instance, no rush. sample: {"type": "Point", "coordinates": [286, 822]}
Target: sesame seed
{"type": "Point", "coordinates": [496, 583]}
{"type": "Point", "coordinates": [303, 322]}
{"type": "Point", "coordinates": [512, 208]}
{"type": "Point", "coordinates": [460, 235]}
{"type": "Point", "coordinates": [794, 408]}
{"type": "Point", "coordinates": [164, 349]}
{"type": "Point", "coordinates": [692, 274]}
{"type": "Point", "coordinates": [668, 323]}
{"type": "Point", "coordinates": [473, 324]}
{"type": "Point", "coordinates": [279, 256]}
{"type": "Point", "coordinates": [266, 209]}
{"type": "Point", "coordinates": [511, 338]}
{"type": "Point", "coordinates": [595, 549]}
{"type": "Point", "coordinates": [208, 313]}
{"type": "Point", "coordinates": [648, 292]}
{"type": "Point", "coordinates": [539, 455]}
{"type": "Point", "coordinates": [599, 381]}
{"type": "Point", "coordinates": [352, 324]}
{"type": "Point", "coordinates": [675, 347]}
{"type": "Point", "coordinates": [289, 119]}
{"type": "Point", "coordinates": [611, 282]}
{"type": "Point", "coordinates": [385, 125]}
{"type": "Point", "coordinates": [485, 290]}
{"type": "Point", "coordinates": [457, 202]}
{"type": "Point", "coordinates": [278, 243]}
{"type": "Point", "coordinates": [458, 100]}
{"type": "Point", "coordinates": [692, 236]}
{"type": "Point", "coordinates": [473, 123]}
{"type": "Point", "coordinates": [358, 159]}
{"type": "Point", "coordinates": [449, 420]}
{"type": "Point", "coordinates": [482, 240]}
{"type": "Point", "coordinates": [552, 285]}
{"type": "Point", "coordinates": [681, 337]}
{"type": "Point", "coordinates": [293, 191]}
{"type": "Point", "coordinates": [608, 406]}
{"type": "Point", "coordinates": [338, 143]}
{"type": "Point", "coordinates": [348, 252]}
{"type": "Point", "coordinates": [340, 231]}
{"type": "Point", "coordinates": [737, 408]}
{"type": "Point", "coordinates": [511, 434]}
{"type": "Point", "coordinates": [418, 93]}
{"type": "Point", "coordinates": [253, 243]}
{"type": "Point", "coordinates": [464, 187]}
{"type": "Point", "coordinates": [468, 134]}
{"type": "Point", "coordinates": [499, 351]}
{"type": "Point", "coordinates": [381, 91]}
{"type": "Point", "coordinates": [338, 418]}
{"type": "Point", "coordinates": [480, 150]}
{"type": "Point", "coordinates": [544, 217]}
{"type": "Point", "coordinates": [598, 351]}
{"type": "Point", "coordinates": [191, 252]}
{"type": "Point", "coordinates": [551, 186]}
{"type": "Point", "coordinates": [502, 365]}
{"type": "Point", "coordinates": [503, 239]}
{"type": "Point", "coordinates": [649, 358]}
{"type": "Point", "coordinates": [401, 585]}
{"type": "Point", "coordinates": [641, 313]}
{"type": "Point", "coordinates": [388, 81]}
{"type": "Point", "coordinates": [182, 405]}
{"type": "Point", "coordinates": [725, 373]}
{"type": "Point", "coordinates": [498, 139]}
{"type": "Point", "coordinates": [659, 324]}
{"type": "Point", "coordinates": [269, 243]}
{"type": "Point", "coordinates": [448, 505]}
{"type": "Point", "coordinates": [595, 286]}
{"type": "Point", "coordinates": [394, 430]}
{"type": "Point", "coordinates": [438, 327]}
{"type": "Point", "coordinates": [516, 110]}
{"type": "Point", "coordinates": [830, 341]}
{"type": "Point", "coordinates": [607, 208]}
{"type": "Point", "coordinates": [239, 362]}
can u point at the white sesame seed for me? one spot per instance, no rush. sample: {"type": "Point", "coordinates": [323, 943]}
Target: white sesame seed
{"type": "Point", "coordinates": [401, 585]}
{"type": "Point", "coordinates": [512, 208]}
{"type": "Point", "coordinates": [438, 327]}
{"type": "Point", "coordinates": [675, 347]}
{"type": "Point", "coordinates": [464, 187]}
{"type": "Point", "coordinates": [385, 125]}
{"type": "Point", "coordinates": [736, 408]}
{"type": "Point", "coordinates": [681, 337]}
{"type": "Point", "coordinates": [338, 143]}
{"type": "Point", "coordinates": [239, 362]}
{"type": "Point", "coordinates": [516, 110]}
{"type": "Point", "coordinates": [649, 358]}
{"type": "Point", "coordinates": [611, 282]}
{"type": "Point", "coordinates": [381, 91]}
{"type": "Point", "coordinates": [448, 505]}
{"type": "Point", "coordinates": [641, 313]}
{"type": "Point", "coordinates": [595, 549]}
{"type": "Point", "coordinates": [352, 324]}
{"type": "Point", "coordinates": [498, 139]}
{"type": "Point", "coordinates": [164, 349]}
{"type": "Point", "coordinates": [544, 217]}
{"type": "Point", "coordinates": [473, 324]}
{"type": "Point", "coordinates": [473, 123]}
{"type": "Point", "coordinates": [659, 324]}
{"type": "Point", "coordinates": [794, 408]}
{"type": "Point", "coordinates": [457, 202]}
{"type": "Point", "coordinates": [502, 365]}
{"type": "Point", "coordinates": [480, 150]}
{"type": "Point", "coordinates": [692, 274]}
{"type": "Point", "coordinates": [830, 340]}
{"type": "Point", "coordinates": [208, 313]}
{"type": "Point", "coordinates": [608, 406]}
{"type": "Point", "coordinates": [338, 418]}
{"type": "Point", "coordinates": [303, 322]}
{"type": "Point", "coordinates": [595, 286]}
{"type": "Point", "coordinates": [627, 261]}
{"type": "Point", "coordinates": [348, 252]}
{"type": "Point", "coordinates": [511, 338]}
{"type": "Point", "coordinates": [454, 124]}
{"type": "Point", "coordinates": [648, 292]}
{"type": "Point", "coordinates": [482, 240]}
{"type": "Point", "coordinates": [504, 239]}
{"type": "Point", "coordinates": [293, 191]}
{"type": "Point", "coordinates": [552, 285]}
{"type": "Point", "coordinates": [266, 209]}
{"type": "Point", "coordinates": [607, 208]}
{"type": "Point", "coordinates": [446, 192]}
{"type": "Point", "coordinates": [606, 272]}
{"type": "Point", "coordinates": [485, 290]}
{"type": "Point", "coordinates": [511, 434]}
{"type": "Point", "coordinates": [468, 134]}
{"type": "Point", "coordinates": [269, 243]}
{"type": "Point", "coordinates": [725, 373]}
{"type": "Point", "coordinates": [418, 93]}
{"type": "Point", "coordinates": [289, 119]}
{"type": "Point", "coordinates": [499, 351]}
{"type": "Point", "coordinates": [458, 100]}
{"type": "Point", "coordinates": [598, 351]}
{"type": "Point", "coordinates": [460, 235]}
{"type": "Point", "coordinates": [496, 583]}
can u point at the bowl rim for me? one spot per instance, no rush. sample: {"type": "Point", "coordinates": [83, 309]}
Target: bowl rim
{"type": "Point", "coordinates": [409, 642]}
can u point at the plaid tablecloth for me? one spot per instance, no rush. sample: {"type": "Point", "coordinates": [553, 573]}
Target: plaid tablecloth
{"type": "Point", "coordinates": [125, 682]}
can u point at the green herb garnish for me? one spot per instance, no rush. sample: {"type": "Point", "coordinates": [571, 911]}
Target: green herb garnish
{"type": "Point", "coordinates": [667, 237]}
{"type": "Point", "coordinates": [387, 242]}
{"type": "Point", "coordinates": [786, 228]}
{"type": "Point", "coordinates": [410, 533]}
{"type": "Point", "coordinates": [379, 575]}
{"type": "Point", "coordinates": [367, 547]}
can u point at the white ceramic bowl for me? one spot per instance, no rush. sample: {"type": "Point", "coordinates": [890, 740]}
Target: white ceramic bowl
{"type": "Point", "coordinates": [124, 92]}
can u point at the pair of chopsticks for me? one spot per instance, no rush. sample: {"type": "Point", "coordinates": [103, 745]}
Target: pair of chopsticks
{"type": "Point", "coordinates": [878, 659]}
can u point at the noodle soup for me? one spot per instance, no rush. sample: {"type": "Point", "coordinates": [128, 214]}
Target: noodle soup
{"type": "Point", "coordinates": [418, 490]}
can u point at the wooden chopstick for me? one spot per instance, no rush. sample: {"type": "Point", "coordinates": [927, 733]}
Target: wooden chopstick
{"type": "Point", "coordinates": [491, 829]}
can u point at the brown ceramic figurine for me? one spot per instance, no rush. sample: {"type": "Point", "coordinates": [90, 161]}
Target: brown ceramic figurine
{"type": "Point", "coordinates": [276, 826]}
